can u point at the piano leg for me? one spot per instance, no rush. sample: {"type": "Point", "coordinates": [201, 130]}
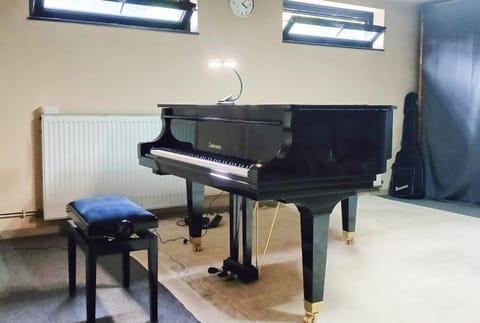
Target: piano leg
{"type": "Point", "coordinates": [235, 209]}
{"type": "Point", "coordinates": [314, 219]}
{"type": "Point", "coordinates": [349, 214]}
{"type": "Point", "coordinates": [195, 197]}
{"type": "Point", "coordinates": [314, 228]}
{"type": "Point", "coordinates": [247, 218]}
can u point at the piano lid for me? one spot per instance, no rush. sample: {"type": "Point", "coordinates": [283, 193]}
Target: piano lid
{"type": "Point", "coordinates": [282, 106]}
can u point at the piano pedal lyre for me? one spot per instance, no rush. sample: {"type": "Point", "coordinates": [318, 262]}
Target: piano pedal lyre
{"type": "Point", "coordinates": [196, 243]}
{"type": "Point", "coordinates": [349, 238]}
{"type": "Point", "coordinates": [311, 311]}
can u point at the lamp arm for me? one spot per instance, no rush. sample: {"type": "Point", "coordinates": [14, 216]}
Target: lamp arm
{"type": "Point", "coordinates": [241, 86]}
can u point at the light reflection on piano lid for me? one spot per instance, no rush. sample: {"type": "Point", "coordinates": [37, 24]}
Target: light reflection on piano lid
{"type": "Point", "coordinates": [228, 178]}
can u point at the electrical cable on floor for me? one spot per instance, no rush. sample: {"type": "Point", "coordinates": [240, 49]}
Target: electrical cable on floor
{"type": "Point", "coordinates": [213, 200]}
{"type": "Point", "coordinates": [182, 223]}
{"type": "Point", "coordinates": [185, 240]}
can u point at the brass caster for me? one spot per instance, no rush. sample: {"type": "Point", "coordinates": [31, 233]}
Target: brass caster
{"type": "Point", "coordinates": [311, 311]}
{"type": "Point", "coordinates": [196, 243]}
{"type": "Point", "coordinates": [309, 318]}
{"type": "Point", "coordinates": [349, 238]}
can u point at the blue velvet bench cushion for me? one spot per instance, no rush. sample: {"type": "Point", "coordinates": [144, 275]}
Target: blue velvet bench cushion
{"type": "Point", "coordinates": [110, 216]}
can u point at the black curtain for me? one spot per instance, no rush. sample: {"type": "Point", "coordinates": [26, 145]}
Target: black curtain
{"type": "Point", "coordinates": [451, 106]}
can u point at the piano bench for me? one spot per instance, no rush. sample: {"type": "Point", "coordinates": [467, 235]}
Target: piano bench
{"type": "Point", "coordinates": [109, 225]}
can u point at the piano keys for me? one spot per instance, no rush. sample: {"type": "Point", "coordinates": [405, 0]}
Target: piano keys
{"type": "Point", "coordinates": [311, 155]}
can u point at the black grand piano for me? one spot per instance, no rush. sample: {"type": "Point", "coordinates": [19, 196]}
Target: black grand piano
{"type": "Point", "coordinates": [311, 155]}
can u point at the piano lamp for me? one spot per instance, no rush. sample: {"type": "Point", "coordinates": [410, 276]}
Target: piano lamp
{"type": "Point", "coordinates": [231, 64]}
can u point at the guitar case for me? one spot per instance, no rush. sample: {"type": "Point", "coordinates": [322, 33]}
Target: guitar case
{"type": "Point", "coordinates": [408, 171]}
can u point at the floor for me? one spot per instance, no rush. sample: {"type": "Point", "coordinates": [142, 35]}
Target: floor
{"type": "Point", "coordinates": [410, 263]}
{"type": "Point", "coordinates": [34, 287]}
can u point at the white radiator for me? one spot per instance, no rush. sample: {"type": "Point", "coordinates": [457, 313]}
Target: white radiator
{"type": "Point", "coordinates": [93, 155]}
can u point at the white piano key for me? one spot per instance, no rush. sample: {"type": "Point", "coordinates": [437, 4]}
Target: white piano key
{"type": "Point", "coordinates": [203, 162]}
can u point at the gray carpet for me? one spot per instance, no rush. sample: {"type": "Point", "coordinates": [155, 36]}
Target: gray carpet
{"type": "Point", "coordinates": [444, 205]}
{"type": "Point", "coordinates": [34, 287]}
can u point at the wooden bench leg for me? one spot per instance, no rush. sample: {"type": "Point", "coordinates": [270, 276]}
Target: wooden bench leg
{"type": "Point", "coordinates": [91, 281]}
{"type": "Point", "coordinates": [126, 268]}
{"type": "Point", "coordinates": [153, 278]}
{"type": "Point", "coordinates": [72, 265]}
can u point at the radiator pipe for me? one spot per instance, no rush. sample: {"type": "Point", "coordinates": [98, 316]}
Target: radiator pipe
{"type": "Point", "coordinates": [21, 214]}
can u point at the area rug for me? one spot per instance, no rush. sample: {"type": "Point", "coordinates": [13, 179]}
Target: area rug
{"type": "Point", "coordinates": [34, 287]}
{"type": "Point", "coordinates": [409, 264]}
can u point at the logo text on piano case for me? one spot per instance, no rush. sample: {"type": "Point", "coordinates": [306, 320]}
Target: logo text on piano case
{"type": "Point", "coordinates": [399, 188]}
{"type": "Point", "coordinates": [214, 146]}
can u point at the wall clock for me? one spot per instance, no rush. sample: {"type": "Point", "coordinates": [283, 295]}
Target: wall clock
{"type": "Point", "coordinates": [242, 8]}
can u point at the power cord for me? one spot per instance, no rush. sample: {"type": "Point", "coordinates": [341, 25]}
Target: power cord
{"type": "Point", "coordinates": [185, 240]}
{"type": "Point", "coordinates": [207, 223]}
{"type": "Point", "coordinates": [182, 223]}
{"type": "Point", "coordinates": [209, 210]}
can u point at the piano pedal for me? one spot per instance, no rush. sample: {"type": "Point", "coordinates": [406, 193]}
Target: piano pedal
{"type": "Point", "coordinates": [220, 273]}
{"type": "Point", "coordinates": [215, 222]}
{"type": "Point", "coordinates": [213, 270]}
{"type": "Point", "coordinates": [205, 221]}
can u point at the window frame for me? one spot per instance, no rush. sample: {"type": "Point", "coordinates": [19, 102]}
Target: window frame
{"type": "Point", "coordinates": [37, 11]}
{"type": "Point", "coordinates": [313, 14]}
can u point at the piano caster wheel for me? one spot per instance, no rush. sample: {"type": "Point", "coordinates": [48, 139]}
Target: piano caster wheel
{"type": "Point", "coordinates": [196, 243]}
{"type": "Point", "coordinates": [309, 318]}
{"type": "Point", "coordinates": [311, 311]}
{"type": "Point", "coordinates": [349, 238]}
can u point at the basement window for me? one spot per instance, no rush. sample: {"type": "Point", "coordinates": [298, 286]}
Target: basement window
{"type": "Point", "coordinates": [317, 22]}
{"type": "Point", "coordinates": [167, 15]}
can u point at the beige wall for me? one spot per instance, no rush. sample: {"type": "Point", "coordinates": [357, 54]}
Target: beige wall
{"type": "Point", "coordinates": [94, 69]}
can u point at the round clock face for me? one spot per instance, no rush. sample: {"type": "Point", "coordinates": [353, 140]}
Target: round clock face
{"type": "Point", "coordinates": [242, 8]}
